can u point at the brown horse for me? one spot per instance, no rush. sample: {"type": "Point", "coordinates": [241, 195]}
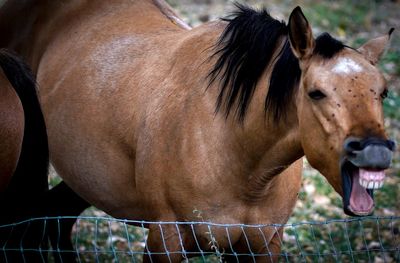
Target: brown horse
{"type": "Point", "coordinates": [129, 95]}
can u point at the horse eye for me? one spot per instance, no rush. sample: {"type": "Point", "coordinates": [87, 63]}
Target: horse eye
{"type": "Point", "coordinates": [384, 94]}
{"type": "Point", "coordinates": [316, 95]}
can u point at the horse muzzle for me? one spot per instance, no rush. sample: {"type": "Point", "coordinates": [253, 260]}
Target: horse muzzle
{"type": "Point", "coordinates": [363, 169]}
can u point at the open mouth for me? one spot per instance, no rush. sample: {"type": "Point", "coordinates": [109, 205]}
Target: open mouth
{"type": "Point", "coordinates": [358, 186]}
{"type": "Point", "coordinates": [363, 170]}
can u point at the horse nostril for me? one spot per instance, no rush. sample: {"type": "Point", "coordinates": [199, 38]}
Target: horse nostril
{"type": "Point", "coordinates": [352, 145]}
{"type": "Point", "coordinates": [373, 153]}
{"type": "Point", "coordinates": [391, 145]}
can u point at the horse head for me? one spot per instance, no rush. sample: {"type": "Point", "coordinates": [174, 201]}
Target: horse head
{"type": "Point", "coordinates": [340, 113]}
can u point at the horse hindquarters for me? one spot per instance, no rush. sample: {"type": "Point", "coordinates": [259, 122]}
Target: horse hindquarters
{"type": "Point", "coordinates": [11, 131]}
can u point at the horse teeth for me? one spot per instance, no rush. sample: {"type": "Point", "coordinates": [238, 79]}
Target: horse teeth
{"type": "Point", "coordinates": [378, 184]}
{"type": "Point", "coordinates": [370, 185]}
{"type": "Point", "coordinates": [362, 182]}
{"type": "Point", "coordinates": [365, 183]}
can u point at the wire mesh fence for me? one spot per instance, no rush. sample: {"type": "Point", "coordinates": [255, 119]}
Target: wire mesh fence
{"type": "Point", "coordinates": [102, 239]}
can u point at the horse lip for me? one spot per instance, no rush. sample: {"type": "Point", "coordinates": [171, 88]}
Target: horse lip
{"type": "Point", "coordinates": [349, 211]}
{"type": "Point", "coordinates": [346, 167]}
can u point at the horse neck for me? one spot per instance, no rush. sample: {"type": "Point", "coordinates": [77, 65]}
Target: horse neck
{"type": "Point", "coordinates": [261, 146]}
{"type": "Point", "coordinates": [265, 147]}
{"type": "Point", "coordinates": [272, 144]}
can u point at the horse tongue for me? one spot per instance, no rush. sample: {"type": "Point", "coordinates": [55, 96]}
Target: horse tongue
{"type": "Point", "coordinates": [360, 201]}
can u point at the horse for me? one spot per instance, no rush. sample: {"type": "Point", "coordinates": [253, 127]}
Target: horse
{"type": "Point", "coordinates": [24, 168]}
{"type": "Point", "coordinates": [150, 119]}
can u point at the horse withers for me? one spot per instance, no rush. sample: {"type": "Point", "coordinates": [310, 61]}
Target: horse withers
{"type": "Point", "coordinates": [151, 120]}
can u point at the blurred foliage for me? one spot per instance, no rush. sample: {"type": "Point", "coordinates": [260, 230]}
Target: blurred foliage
{"type": "Point", "coordinates": [339, 17]}
{"type": "Point", "coordinates": [391, 105]}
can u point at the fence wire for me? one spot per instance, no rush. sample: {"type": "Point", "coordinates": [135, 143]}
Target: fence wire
{"type": "Point", "coordinates": [103, 239]}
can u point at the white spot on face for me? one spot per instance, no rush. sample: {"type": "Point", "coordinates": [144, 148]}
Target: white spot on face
{"type": "Point", "coordinates": [347, 66]}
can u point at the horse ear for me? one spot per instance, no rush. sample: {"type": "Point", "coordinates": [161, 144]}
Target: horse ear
{"type": "Point", "coordinates": [374, 48]}
{"type": "Point", "coordinates": [300, 35]}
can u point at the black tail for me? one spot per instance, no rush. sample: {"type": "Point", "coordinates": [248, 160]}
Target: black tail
{"type": "Point", "coordinates": [32, 169]}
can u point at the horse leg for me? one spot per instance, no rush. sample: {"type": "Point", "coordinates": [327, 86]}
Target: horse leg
{"type": "Point", "coordinates": [29, 241]}
{"type": "Point", "coordinates": [63, 201]}
{"type": "Point", "coordinates": [274, 246]}
{"type": "Point", "coordinates": [272, 249]}
{"type": "Point", "coordinates": [269, 252]}
{"type": "Point", "coordinates": [164, 244]}
{"type": "Point", "coordinates": [34, 241]}
{"type": "Point", "coordinates": [26, 241]}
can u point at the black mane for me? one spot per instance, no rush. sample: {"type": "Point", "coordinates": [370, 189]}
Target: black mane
{"type": "Point", "coordinates": [245, 49]}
